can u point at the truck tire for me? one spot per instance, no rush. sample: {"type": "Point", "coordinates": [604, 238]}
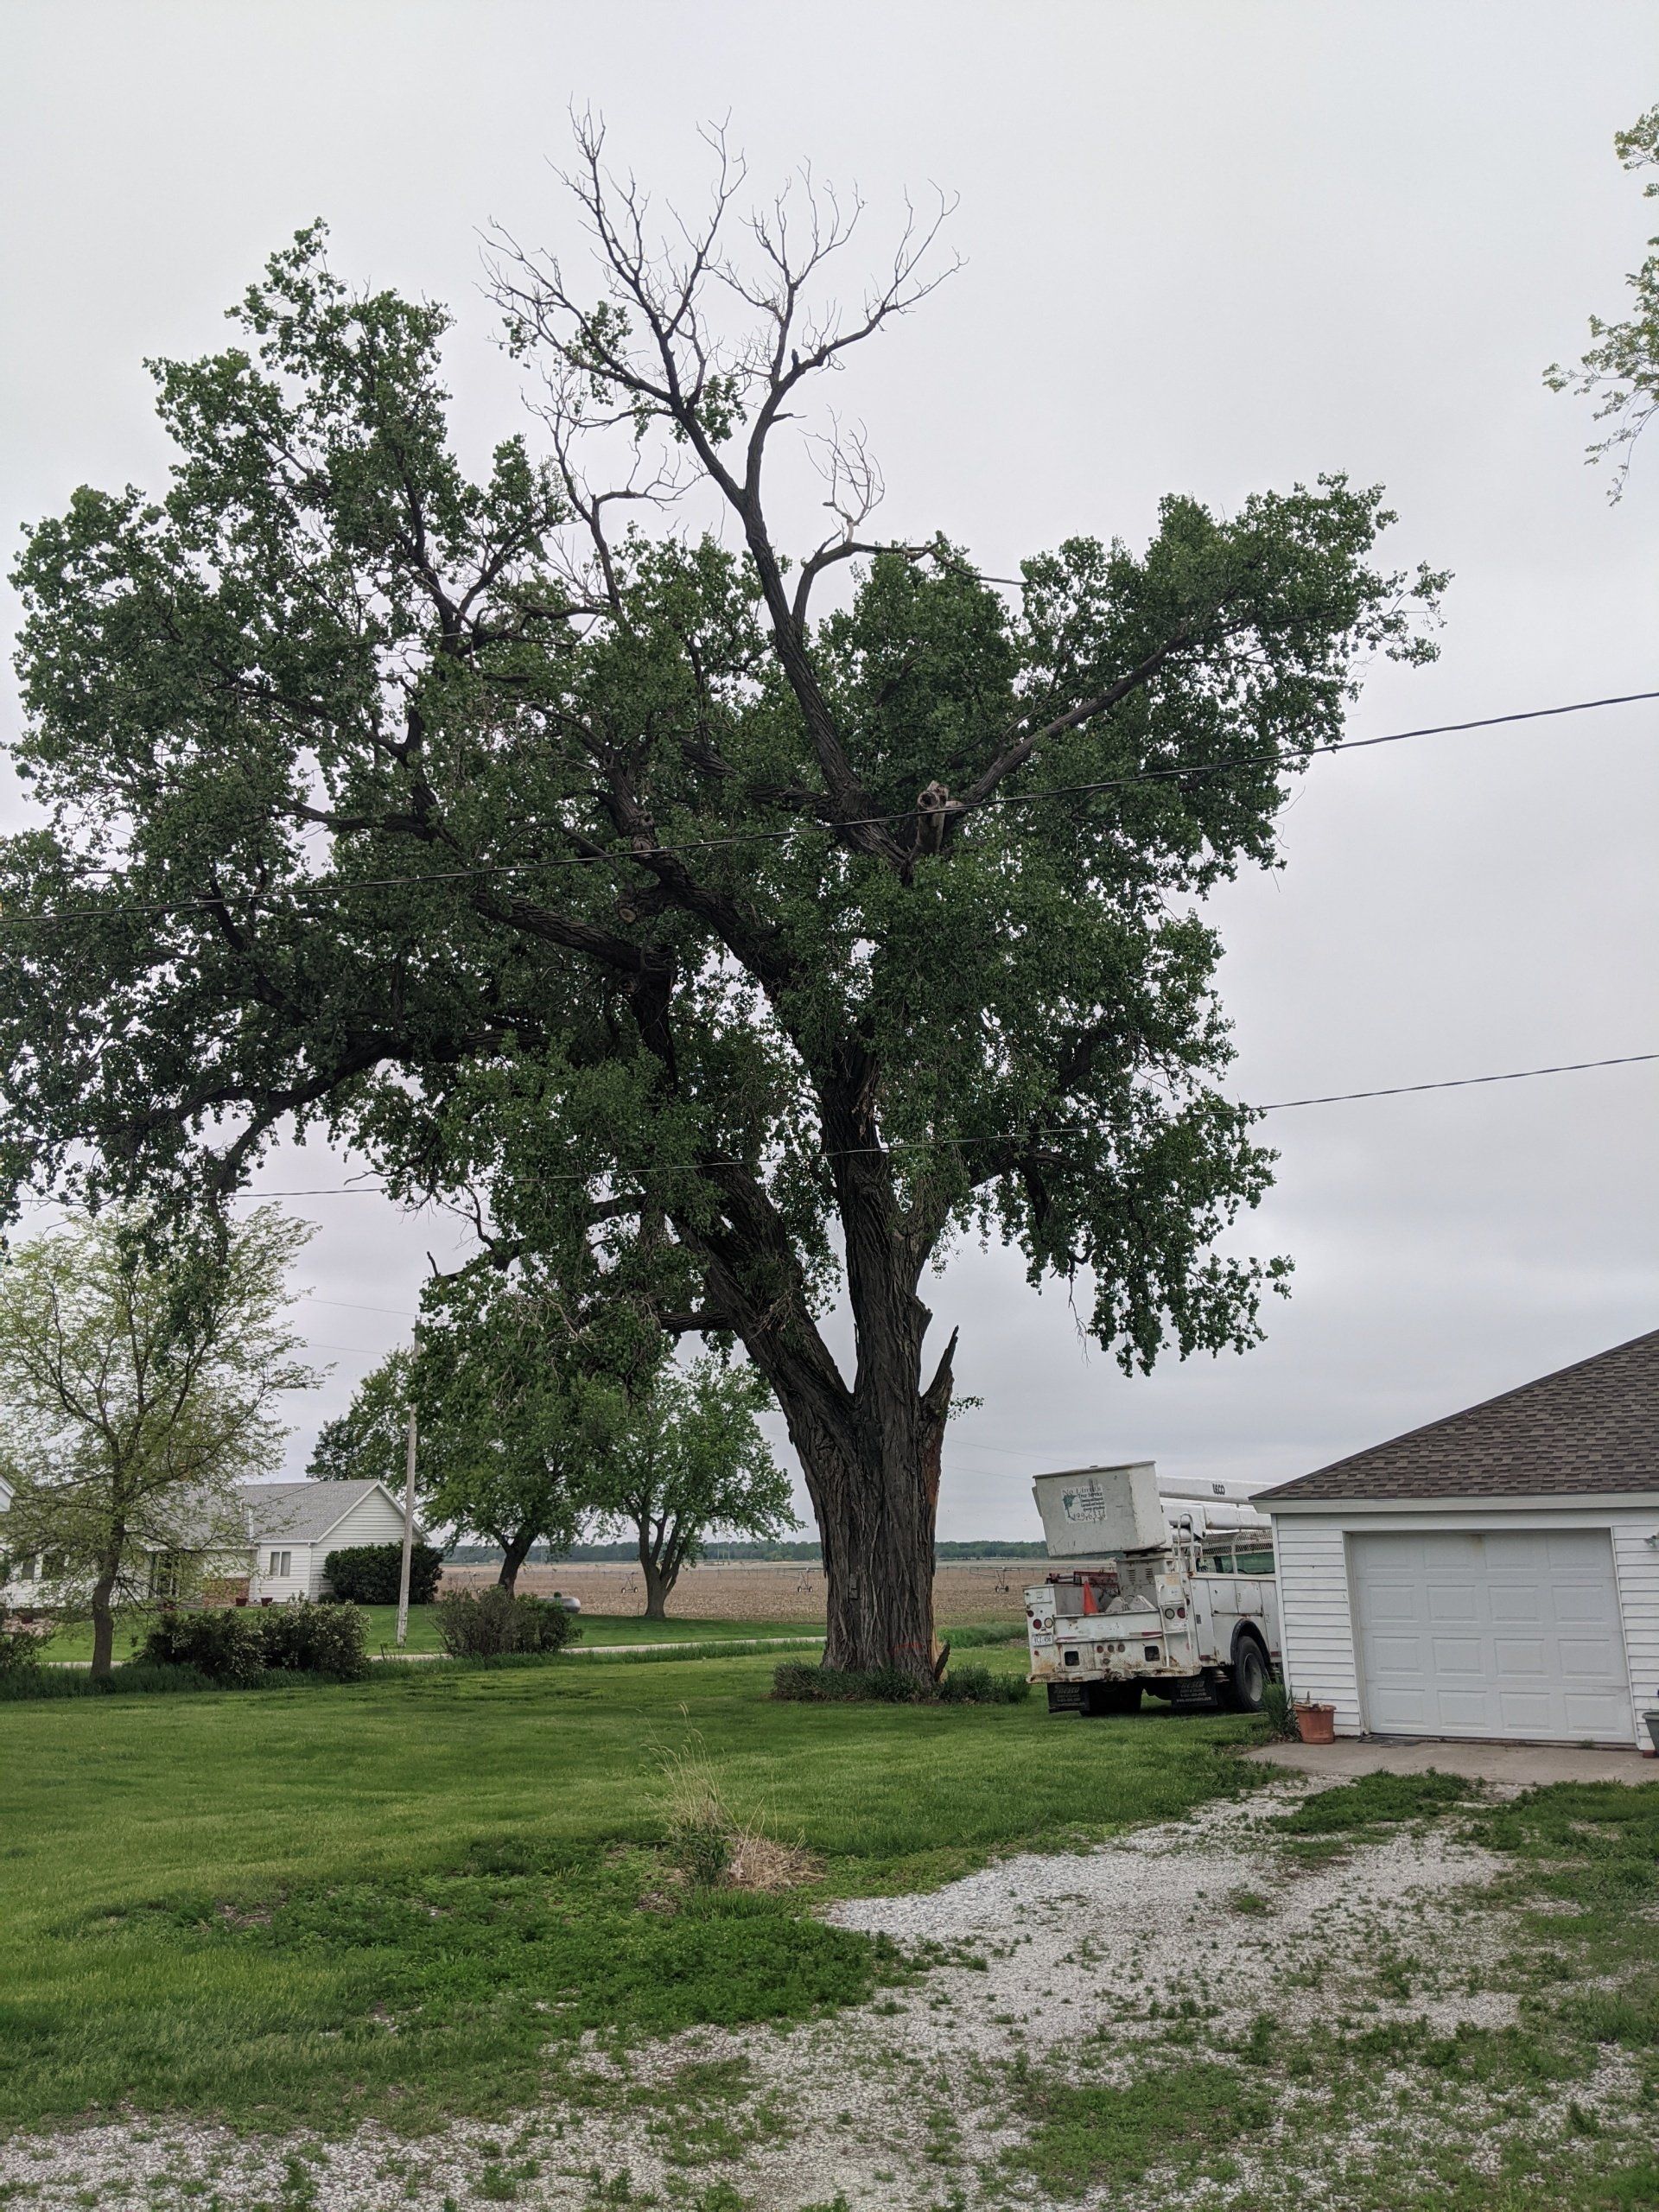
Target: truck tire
{"type": "Point", "coordinates": [1101, 1699]}
{"type": "Point", "coordinates": [1250, 1673]}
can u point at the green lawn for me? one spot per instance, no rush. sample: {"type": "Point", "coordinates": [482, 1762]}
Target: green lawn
{"type": "Point", "coordinates": [309, 1904]}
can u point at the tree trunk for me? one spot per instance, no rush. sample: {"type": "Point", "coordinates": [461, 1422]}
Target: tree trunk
{"type": "Point", "coordinates": [873, 1474]}
{"type": "Point", "coordinates": [870, 1452]}
{"type": "Point", "coordinates": [658, 1586]}
{"type": "Point", "coordinates": [103, 1612]}
{"type": "Point", "coordinates": [515, 1550]}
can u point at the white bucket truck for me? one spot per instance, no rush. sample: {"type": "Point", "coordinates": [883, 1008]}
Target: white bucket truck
{"type": "Point", "coordinates": [1166, 1587]}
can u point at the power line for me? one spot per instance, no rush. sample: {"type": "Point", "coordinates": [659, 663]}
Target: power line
{"type": "Point", "coordinates": [1459, 1083]}
{"type": "Point", "coordinates": [326, 894]}
{"type": "Point", "coordinates": [1013, 1136]}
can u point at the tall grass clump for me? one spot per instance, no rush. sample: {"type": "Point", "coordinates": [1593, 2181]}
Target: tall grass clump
{"type": "Point", "coordinates": [1279, 1710]}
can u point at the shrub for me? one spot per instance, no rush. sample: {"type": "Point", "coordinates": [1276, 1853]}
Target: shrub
{"type": "Point", "coordinates": [369, 1574]}
{"type": "Point", "coordinates": [21, 1647]}
{"type": "Point", "coordinates": [490, 1624]}
{"type": "Point", "coordinates": [224, 1646]}
{"type": "Point", "coordinates": [979, 1686]}
{"type": "Point", "coordinates": [306, 1639]}
{"type": "Point", "coordinates": [238, 1648]}
{"type": "Point", "coordinates": [800, 1683]}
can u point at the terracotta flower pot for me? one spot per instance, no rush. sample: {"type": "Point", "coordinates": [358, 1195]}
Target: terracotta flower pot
{"type": "Point", "coordinates": [1316, 1723]}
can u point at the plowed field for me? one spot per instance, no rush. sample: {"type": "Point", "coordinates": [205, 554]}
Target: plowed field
{"type": "Point", "coordinates": [980, 1590]}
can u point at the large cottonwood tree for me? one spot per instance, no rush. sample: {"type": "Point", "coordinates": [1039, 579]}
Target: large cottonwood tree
{"type": "Point", "coordinates": [609, 869]}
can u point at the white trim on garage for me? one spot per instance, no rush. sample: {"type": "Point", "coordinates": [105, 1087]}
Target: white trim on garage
{"type": "Point", "coordinates": [1315, 1568]}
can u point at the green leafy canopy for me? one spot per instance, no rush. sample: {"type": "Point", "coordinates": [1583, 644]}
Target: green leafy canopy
{"type": "Point", "coordinates": [592, 870]}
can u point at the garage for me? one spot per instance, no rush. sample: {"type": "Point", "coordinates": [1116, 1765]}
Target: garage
{"type": "Point", "coordinates": [1510, 1633]}
{"type": "Point", "coordinates": [1493, 1574]}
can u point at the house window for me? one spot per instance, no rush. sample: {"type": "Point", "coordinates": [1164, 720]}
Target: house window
{"type": "Point", "coordinates": [281, 1563]}
{"type": "Point", "coordinates": [166, 1576]}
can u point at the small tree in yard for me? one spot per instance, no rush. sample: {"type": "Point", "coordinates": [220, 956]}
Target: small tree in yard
{"type": "Point", "coordinates": [138, 1382]}
{"type": "Point", "coordinates": [622, 874]}
{"type": "Point", "coordinates": [514, 1389]}
{"type": "Point", "coordinates": [687, 1460]}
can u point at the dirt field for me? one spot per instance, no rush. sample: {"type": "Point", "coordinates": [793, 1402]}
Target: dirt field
{"type": "Point", "coordinates": [981, 1590]}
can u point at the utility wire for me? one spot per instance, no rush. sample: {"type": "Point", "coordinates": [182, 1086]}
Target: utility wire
{"type": "Point", "coordinates": [1010, 1136]}
{"type": "Point", "coordinates": [326, 894]}
{"type": "Point", "coordinates": [1459, 1083]}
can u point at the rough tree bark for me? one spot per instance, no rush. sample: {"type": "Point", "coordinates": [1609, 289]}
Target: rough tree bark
{"type": "Point", "coordinates": [103, 1609]}
{"type": "Point", "coordinates": [658, 1585]}
{"type": "Point", "coordinates": [515, 1550]}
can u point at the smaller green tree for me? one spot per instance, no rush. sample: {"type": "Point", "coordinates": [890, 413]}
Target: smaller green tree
{"type": "Point", "coordinates": [139, 1376]}
{"type": "Point", "coordinates": [368, 1441]}
{"type": "Point", "coordinates": [1621, 370]}
{"type": "Point", "coordinates": [686, 1460]}
{"type": "Point", "coordinates": [512, 1395]}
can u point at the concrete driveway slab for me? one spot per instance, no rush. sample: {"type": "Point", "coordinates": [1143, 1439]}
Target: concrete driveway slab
{"type": "Point", "coordinates": [1518, 1766]}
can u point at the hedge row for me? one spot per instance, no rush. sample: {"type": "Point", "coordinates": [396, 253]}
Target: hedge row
{"type": "Point", "coordinates": [241, 1644]}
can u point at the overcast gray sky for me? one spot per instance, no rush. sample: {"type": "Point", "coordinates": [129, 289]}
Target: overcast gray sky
{"type": "Point", "coordinates": [1209, 248]}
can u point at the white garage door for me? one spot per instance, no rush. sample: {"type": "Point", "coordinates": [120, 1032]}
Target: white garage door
{"type": "Point", "coordinates": [1513, 1632]}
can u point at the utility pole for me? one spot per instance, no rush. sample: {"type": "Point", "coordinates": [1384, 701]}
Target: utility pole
{"type": "Point", "coordinates": [408, 1535]}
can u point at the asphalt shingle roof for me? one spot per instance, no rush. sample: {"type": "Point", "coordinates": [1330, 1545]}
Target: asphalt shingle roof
{"type": "Point", "coordinates": [1589, 1429]}
{"type": "Point", "coordinates": [304, 1512]}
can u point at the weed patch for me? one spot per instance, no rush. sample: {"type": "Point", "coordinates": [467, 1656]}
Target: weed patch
{"type": "Point", "coordinates": [1374, 1801]}
{"type": "Point", "coordinates": [1175, 2117]}
{"type": "Point", "coordinates": [487, 1966]}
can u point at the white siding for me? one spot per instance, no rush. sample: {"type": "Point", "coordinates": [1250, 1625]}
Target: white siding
{"type": "Point", "coordinates": [1636, 1563]}
{"type": "Point", "coordinates": [373, 1519]}
{"type": "Point", "coordinates": [1316, 1623]}
{"type": "Point", "coordinates": [300, 1580]}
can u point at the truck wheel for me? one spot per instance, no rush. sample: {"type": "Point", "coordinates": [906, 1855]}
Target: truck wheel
{"type": "Point", "coordinates": [1250, 1676]}
{"type": "Point", "coordinates": [1105, 1698]}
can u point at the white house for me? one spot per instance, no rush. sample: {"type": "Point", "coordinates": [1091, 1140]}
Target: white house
{"type": "Point", "coordinates": [291, 1529]}
{"type": "Point", "coordinates": [1493, 1574]}
{"type": "Point", "coordinates": [293, 1526]}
